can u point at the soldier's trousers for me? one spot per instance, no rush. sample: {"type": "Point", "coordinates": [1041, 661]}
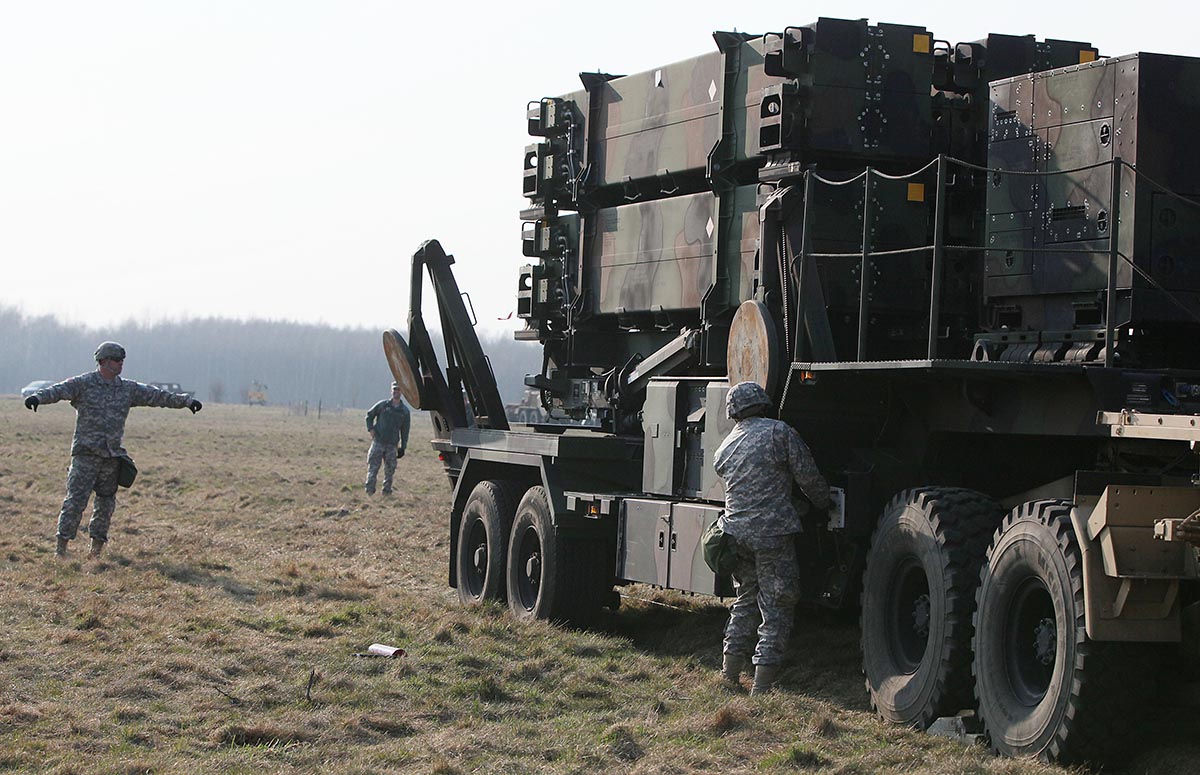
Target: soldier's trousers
{"type": "Point", "coordinates": [381, 453]}
{"type": "Point", "coordinates": [88, 474]}
{"type": "Point", "coordinates": [767, 585]}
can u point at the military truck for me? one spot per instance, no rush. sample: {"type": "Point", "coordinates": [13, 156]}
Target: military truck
{"type": "Point", "coordinates": [967, 275]}
{"type": "Point", "coordinates": [172, 387]}
{"type": "Point", "coordinates": [256, 394]}
{"type": "Point", "coordinates": [528, 410]}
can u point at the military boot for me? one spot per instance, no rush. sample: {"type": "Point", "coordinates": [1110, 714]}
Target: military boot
{"type": "Point", "coordinates": [60, 549]}
{"type": "Point", "coordinates": [764, 678]}
{"type": "Point", "coordinates": [97, 547]}
{"type": "Point", "coordinates": [732, 666]}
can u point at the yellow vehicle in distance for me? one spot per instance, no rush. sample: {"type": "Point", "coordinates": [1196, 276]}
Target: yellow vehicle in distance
{"type": "Point", "coordinates": [257, 394]}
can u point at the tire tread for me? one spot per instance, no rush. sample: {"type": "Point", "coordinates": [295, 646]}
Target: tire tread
{"type": "Point", "coordinates": [1108, 680]}
{"type": "Point", "coordinates": [574, 592]}
{"type": "Point", "coordinates": [962, 522]}
{"type": "Point", "coordinates": [505, 494]}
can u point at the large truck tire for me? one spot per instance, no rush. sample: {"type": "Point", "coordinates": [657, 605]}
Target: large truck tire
{"type": "Point", "coordinates": [1044, 689]}
{"type": "Point", "coordinates": [918, 598]}
{"type": "Point", "coordinates": [483, 541]}
{"type": "Point", "coordinates": [551, 576]}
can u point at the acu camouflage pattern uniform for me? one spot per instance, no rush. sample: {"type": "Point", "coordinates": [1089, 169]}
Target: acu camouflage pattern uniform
{"type": "Point", "coordinates": [759, 460]}
{"type": "Point", "coordinates": [390, 425]}
{"type": "Point", "coordinates": [102, 407]}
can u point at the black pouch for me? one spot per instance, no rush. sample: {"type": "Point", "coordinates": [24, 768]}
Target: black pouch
{"type": "Point", "coordinates": [126, 471]}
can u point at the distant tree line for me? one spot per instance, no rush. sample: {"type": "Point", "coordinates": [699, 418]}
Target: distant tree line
{"type": "Point", "coordinates": [219, 359]}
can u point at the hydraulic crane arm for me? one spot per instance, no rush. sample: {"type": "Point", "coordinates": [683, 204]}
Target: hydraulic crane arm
{"type": "Point", "coordinates": [416, 368]}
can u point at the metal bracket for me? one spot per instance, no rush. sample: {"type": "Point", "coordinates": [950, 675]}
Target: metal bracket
{"type": "Point", "coordinates": [1186, 529]}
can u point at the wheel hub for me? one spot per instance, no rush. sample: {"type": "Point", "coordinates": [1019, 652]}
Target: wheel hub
{"type": "Point", "coordinates": [920, 616]}
{"type": "Point", "coordinates": [1030, 641]}
{"type": "Point", "coordinates": [475, 559]}
{"type": "Point", "coordinates": [1045, 638]}
{"type": "Point", "coordinates": [910, 615]}
{"type": "Point", "coordinates": [527, 563]}
{"type": "Point", "coordinates": [533, 569]}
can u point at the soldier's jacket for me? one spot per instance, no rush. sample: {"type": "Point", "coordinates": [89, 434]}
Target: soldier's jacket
{"type": "Point", "coordinates": [102, 407]}
{"type": "Point", "coordinates": [759, 460]}
{"type": "Point", "coordinates": [390, 423]}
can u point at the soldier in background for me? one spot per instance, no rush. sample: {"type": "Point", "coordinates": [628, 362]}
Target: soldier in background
{"type": "Point", "coordinates": [387, 422]}
{"type": "Point", "coordinates": [759, 460]}
{"type": "Point", "coordinates": [102, 401]}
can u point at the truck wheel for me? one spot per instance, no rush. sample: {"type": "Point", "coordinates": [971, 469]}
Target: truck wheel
{"type": "Point", "coordinates": [483, 541]}
{"type": "Point", "coordinates": [549, 576]}
{"type": "Point", "coordinates": [1044, 689]}
{"type": "Point", "coordinates": [918, 597]}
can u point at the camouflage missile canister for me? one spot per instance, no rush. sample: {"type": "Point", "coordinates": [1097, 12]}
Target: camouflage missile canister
{"type": "Point", "coordinates": [656, 267]}
{"type": "Point", "coordinates": [973, 65]}
{"type": "Point", "coordinates": [857, 90]}
{"type": "Point", "coordinates": [645, 218]}
{"type": "Point", "coordinates": [651, 257]}
{"type": "Point", "coordinates": [657, 257]}
{"type": "Point", "coordinates": [1075, 121]}
{"type": "Point", "coordinates": [656, 164]}
{"type": "Point", "coordinates": [997, 57]}
{"type": "Point", "coordinates": [650, 134]}
{"type": "Point", "coordinates": [652, 127]}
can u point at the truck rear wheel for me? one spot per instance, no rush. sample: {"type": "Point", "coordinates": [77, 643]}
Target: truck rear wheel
{"type": "Point", "coordinates": [918, 598]}
{"type": "Point", "coordinates": [1044, 688]}
{"type": "Point", "coordinates": [550, 576]}
{"type": "Point", "coordinates": [483, 541]}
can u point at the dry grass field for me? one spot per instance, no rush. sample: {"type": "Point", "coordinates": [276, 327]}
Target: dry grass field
{"type": "Point", "coordinates": [246, 569]}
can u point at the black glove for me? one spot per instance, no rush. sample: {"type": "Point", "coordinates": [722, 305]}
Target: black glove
{"type": "Point", "coordinates": [399, 453]}
{"type": "Point", "coordinates": [32, 403]}
{"type": "Point", "coordinates": [195, 406]}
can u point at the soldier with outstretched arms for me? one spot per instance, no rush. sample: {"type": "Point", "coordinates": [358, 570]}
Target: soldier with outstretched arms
{"type": "Point", "coordinates": [102, 401]}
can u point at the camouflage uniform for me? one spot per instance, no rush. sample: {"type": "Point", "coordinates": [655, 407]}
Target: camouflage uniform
{"type": "Point", "coordinates": [102, 407]}
{"type": "Point", "coordinates": [759, 460]}
{"type": "Point", "coordinates": [390, 425]}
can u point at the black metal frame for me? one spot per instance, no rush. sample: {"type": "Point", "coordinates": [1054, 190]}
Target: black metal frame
{"type": "Point", "coordinates": [939, 248]}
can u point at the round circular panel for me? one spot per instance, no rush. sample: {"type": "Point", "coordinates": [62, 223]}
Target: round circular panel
{"type": "Point", "coordinates": [753, 354]}
{"type": "Point", "coordinates": [404, 368]}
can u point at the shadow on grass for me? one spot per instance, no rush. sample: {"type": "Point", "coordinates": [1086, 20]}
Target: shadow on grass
{"type": "Point", "coordinates": [824, 658]}
{"type": "Point", "coordinates": [824, 661]}
{"type": "Point", "coordinates": [198, 577]}
{"type": "Point", "coordinates": [1166, 737]}
{"type": "Point", "coordinates": [666, 630]}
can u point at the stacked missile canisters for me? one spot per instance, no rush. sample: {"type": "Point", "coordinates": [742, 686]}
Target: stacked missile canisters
{"type": "Point", "coordinates": [801, 168]}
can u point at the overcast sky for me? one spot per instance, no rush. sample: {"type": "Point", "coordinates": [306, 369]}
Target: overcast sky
{"type": "Point", "coordinates": [283, 159]}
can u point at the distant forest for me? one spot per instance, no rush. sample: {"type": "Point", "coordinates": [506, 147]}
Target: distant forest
{"type": "Point", "coordinates": [218, 359]}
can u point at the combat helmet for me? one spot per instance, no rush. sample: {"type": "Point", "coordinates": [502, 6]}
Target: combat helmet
{"type": "Point", "coordinates": [110, 350]}
{"type": "Point", "coordinates": [743, 397]}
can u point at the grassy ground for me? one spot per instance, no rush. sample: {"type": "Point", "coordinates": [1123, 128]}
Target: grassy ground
{"type": "Point", "coordinates": [245, 570]}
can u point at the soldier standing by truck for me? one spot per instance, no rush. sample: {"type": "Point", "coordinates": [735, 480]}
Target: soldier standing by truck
{"type": "Point", "coordinates": [759, 460]}
{"type": "Point", "coordinates": [387, 422]}
{"type": "Point", "coordinates": [102, 401]}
